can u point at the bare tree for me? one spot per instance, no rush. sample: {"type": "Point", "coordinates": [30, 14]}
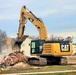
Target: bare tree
{"type": "Point", "coordinates": [3, 37]}
{"type": "Point", "coordinates": [52, 37]}
{"type": "Point", "coordinates": [69, 38]}
{"type": "Point", "coordinates": [34, 37]}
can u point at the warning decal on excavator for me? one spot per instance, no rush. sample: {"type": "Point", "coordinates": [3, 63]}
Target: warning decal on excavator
{"type": "Point", "coordinates": [65, 48]}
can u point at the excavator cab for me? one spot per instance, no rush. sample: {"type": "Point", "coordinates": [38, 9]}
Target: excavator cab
{"type": "Point", "coordinates": [37, 46]}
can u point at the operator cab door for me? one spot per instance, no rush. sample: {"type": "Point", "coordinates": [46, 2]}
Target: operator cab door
{"type": "Point", "coordinates": [36, 46]}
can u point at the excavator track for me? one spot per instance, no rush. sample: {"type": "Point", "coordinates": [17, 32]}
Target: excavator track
{"type": "Point", "coordinates": [63, 61]}
{"type": "Point", "coordinates": [37, 61]}
{"type": "Point", "coordinates": [68, 60]}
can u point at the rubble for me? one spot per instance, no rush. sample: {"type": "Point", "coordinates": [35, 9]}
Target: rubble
{"type": "Point", "coordinates": [16, 61]}
{"type": "Point", "coordinates": [14, 58]}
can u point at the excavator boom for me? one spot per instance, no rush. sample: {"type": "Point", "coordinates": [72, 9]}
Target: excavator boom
{"type": "Point", "coordinates": [24, 15]}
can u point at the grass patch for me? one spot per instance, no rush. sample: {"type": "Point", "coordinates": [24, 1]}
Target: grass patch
{"type": "Point", "coordinates": [70, 73]}
{"type": "Point", "coordinates": [43, 69]}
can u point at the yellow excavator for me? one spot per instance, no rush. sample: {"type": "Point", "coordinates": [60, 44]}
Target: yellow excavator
{"type": "Point", "coordinates": [47, 51]}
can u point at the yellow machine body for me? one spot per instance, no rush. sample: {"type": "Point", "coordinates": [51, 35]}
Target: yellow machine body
{"type": "Point", "coordinates": [55, 49]}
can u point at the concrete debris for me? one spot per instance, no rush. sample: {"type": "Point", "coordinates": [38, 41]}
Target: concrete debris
{"type": "Point", "coordinates": [21, 66]}
{"type": "Point", "coordinates": [13, 58]}
{"type": "Point", "coordinates": [17, 66]}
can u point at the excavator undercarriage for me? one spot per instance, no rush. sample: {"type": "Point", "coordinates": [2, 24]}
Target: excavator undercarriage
{"type": "Point", "coordinates": [50, 60]}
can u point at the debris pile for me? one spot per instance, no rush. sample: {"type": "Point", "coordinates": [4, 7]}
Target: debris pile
{"type": "Point", "coordinates": [14, 58]}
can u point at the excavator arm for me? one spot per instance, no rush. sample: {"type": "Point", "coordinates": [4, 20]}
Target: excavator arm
{"type": "Point", "coordinates": [28, 15]}
{"type": "Point", "coordinates": [24, 15]}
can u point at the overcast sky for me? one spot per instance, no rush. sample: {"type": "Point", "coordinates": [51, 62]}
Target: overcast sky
{"type": "Point", "coordinates": [59, 16]}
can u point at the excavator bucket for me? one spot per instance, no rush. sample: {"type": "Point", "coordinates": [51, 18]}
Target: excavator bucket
{"type": "Point", "coordinates": [18, 42]}
{"type": "Point", "coordinates": [17, 45]}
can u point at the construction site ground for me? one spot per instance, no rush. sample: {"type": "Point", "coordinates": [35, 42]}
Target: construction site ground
{"type": "Point", "coordinates": [23, 68]}
{"type": "Point", "coordinates": [44, 69]}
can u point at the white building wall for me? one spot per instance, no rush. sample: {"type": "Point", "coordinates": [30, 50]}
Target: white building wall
{"type": "Point", "coordinates": [74, 49]}
{"type": "Point", "coordinates": [26, 46]}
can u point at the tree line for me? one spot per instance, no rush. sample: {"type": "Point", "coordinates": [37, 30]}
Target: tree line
{"type": "Point", "coordinates": [3, 38]}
